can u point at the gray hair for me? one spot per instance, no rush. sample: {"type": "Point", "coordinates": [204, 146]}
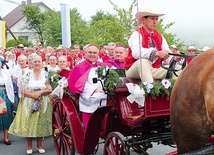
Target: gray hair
{"type": "Point", "coordinates": [30, 57]}
{"type": "Point", "coordinates": [37, 57]}
{"type": "Point", "coordinates": [111, 44]}
{"type": "Point", "coordinates": [22, 57]}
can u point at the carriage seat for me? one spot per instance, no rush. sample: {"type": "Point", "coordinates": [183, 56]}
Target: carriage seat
{"type": "Point", "coordinates": [131, 114]}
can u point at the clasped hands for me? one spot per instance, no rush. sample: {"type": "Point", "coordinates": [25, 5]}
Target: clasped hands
{"type": "Point", "coordinates": [37, 95]}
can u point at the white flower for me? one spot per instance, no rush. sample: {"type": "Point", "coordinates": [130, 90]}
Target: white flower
{"type": "Point", "coordinates": [149, 86]}
{"type": "Point", "coordinates": [104, 72]}
{"type": "Point", "coordinates": [51, 78]}
{"type": "Point", "coordinates": [166, 83]}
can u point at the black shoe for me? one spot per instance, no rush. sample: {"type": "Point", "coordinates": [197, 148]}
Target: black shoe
{"type": "Point", "coordinates": [8, 142]}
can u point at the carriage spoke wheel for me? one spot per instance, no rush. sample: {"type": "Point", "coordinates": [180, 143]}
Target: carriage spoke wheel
{"type": "Point", "coordinates": [114, 144]}
{"type": "Point", "coordinates": [61, 130]}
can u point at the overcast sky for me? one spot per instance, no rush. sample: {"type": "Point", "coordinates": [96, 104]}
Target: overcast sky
{"type": "Point", "coordinates": [193, 19]}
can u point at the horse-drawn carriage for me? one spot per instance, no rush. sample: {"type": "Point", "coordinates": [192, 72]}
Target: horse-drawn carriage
{"type": "Point", "coordinates": [120, 125]}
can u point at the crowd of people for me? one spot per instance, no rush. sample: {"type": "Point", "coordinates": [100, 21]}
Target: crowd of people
{"type": "Point", "coordinates": [24, 86]}
{"type": "Point", "coordinates": [23, 76]}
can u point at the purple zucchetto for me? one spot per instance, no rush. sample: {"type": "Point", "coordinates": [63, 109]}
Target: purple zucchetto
{"type": "Point", "coordinates": [89, 45]}
{"type": "Point", "coordinates": [120, 45]}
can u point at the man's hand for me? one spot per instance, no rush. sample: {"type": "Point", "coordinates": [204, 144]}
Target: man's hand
{"type": "Point", "coordinates": [164, 54]}
{"type": "Point", "coordinates": [177, 58]}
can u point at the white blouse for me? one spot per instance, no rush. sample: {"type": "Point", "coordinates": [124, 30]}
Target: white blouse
{"type": "Point", "coordinates": [55, 69]}
{"type": "Point", "coordinates": [1, 78]}
{"type": "Point", "coordinates": [37, 84]}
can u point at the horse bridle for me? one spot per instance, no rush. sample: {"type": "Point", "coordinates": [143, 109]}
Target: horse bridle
{"type": "Point", "coordinates": [172, 67]}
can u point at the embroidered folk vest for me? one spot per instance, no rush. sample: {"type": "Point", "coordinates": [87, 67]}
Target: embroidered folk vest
{"type": "Point", "coordinates": [156, 38]}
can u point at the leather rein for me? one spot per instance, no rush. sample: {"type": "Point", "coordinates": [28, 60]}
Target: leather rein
{"type": "Point", "coordinates": [172, 67]}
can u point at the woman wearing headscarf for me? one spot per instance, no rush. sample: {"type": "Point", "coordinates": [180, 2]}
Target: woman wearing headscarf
{"type": "Point", "coordinates": [34, 113]}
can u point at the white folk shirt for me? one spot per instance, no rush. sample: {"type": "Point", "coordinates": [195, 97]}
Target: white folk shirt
{"type": "Point", "coordinates": [136, 38]}
{"type": "Point", "coordinates": [90, 101]}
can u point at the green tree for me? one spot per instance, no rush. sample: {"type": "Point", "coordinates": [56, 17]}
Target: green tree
{"type": "Point", "coordinates": [52, 25]}
{"type": "Point", "coordinates": [125, 17]}
{"type": "Point", "coordinates": [35, 20]}
{"type": "Point", "coordinates": [80, 32]}
{"type": "Point", "coordinates": [105, 28]}
{"type": "Point", "coordinates": [105, 31]}
{"type": "Point", "coordinates": [20, 40]}
{"type": "Point", "coordinates": [101, 15]}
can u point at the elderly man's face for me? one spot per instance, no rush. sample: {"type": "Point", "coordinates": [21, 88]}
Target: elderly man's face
{"type": "Point", "coordinates": [111, 51]}
{"type": "Point", "coordinates": [91, 54]}
{"type": "Point", "coordinates": [119, 54]}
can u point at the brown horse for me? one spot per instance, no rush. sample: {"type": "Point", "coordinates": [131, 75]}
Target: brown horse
{"type": "Point", "coordinates": [192, 104]}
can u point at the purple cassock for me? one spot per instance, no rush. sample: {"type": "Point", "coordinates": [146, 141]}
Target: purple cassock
{"type": "Point", "coordinates": [117, 64]}
{"type": "Point", "coordinates": [79, 75]}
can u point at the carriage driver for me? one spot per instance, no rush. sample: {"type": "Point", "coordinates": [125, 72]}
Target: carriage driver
{"type": "Point", "coordinates": [149, 45]}
{"type": "Point", "coordinates": [80, 81]}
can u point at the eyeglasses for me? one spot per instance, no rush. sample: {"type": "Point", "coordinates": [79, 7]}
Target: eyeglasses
{"type": "Point", "coordinates": [94, 53]}
{"type": "Point", "coordinates": [191, 50]}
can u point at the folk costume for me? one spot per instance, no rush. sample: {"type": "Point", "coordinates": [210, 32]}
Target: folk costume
{"type": "Point", "coordinates": [17, 72]}
{"type": "Point", "coordinates": [150, 44]}
{"type": "Point", "coordinates": [26, 122]}
{"type": "Point", "coordinates": [7, 94]}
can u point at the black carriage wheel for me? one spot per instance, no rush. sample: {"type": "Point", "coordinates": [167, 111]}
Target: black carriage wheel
{"type": "Point", "coordinates": [61, 130]}
{"type": "Point", "coordinates": [114, 144]}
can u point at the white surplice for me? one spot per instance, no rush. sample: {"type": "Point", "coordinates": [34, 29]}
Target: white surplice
{"type": "Point", "coordinates": [88, 100]}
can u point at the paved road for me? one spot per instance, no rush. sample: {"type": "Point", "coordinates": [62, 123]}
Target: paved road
{"type": "Point", "coordinates": [19, 146]}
